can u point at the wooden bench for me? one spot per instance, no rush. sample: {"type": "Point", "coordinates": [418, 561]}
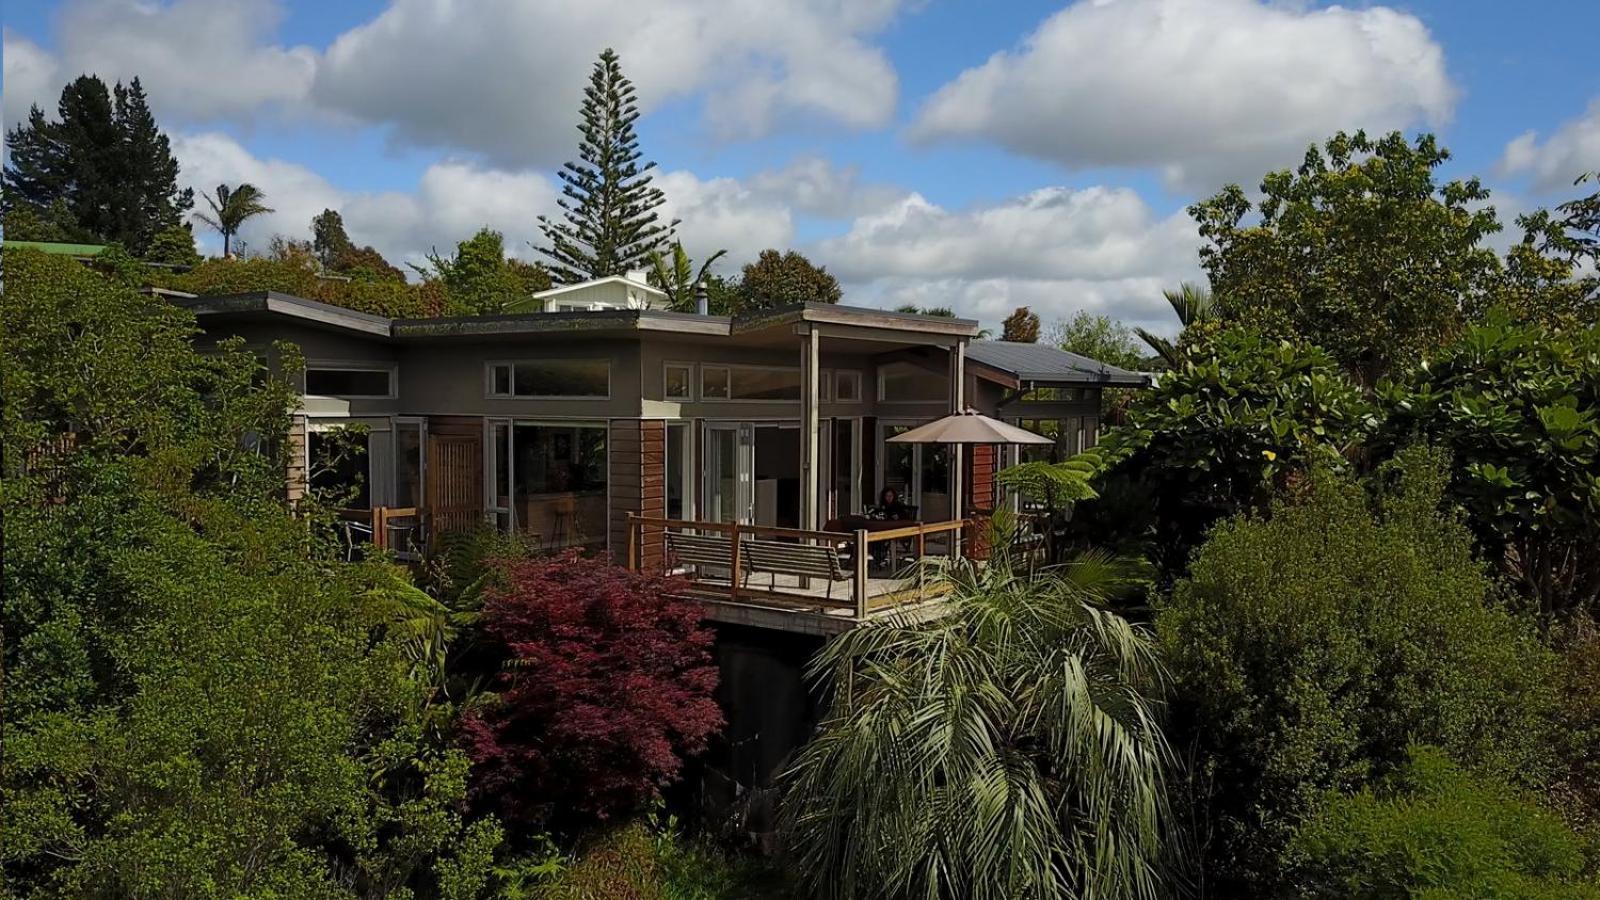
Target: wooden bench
{"type": "Point", "coordinates": [703, 551]}
{"type": "Point", "coordinates": [802, 560]}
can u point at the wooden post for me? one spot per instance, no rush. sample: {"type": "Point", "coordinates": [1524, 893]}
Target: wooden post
{"type": "Point", "coordinates": [633, 542]}
{"type": "Point", "coordinates": [861, 573]}
{"type": "Point", "coordinates": [958, 405]}
{"type": "Point", "coordinates": [810, 430]}
{"type": "Point", "coordinates": [733, 560]}
{"type": "Point", "coordinates": [380, 528]}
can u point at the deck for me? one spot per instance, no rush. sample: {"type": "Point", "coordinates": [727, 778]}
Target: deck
{"type": "Point", "coordinates": [812, 582]}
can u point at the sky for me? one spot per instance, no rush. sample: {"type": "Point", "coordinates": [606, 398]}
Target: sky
{"type": "Point", "coordinates": [977, 155]}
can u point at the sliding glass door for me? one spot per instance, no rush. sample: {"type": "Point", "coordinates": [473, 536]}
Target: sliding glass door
{"type": "Point", "coordinates": [730, 464]}
{"type": "Point", "coordinates": [918, 473]}
{"type": "Point", "coordinates": [548, 481]}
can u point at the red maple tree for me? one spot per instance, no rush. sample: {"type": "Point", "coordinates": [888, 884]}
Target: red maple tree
{"type": "Point", "coordinates": [607, 689]}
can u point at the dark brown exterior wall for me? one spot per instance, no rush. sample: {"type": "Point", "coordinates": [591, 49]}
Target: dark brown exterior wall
{"type": "Point", "coordinates": [981, 486]}
{"type": "Point", "coordinates": [638, 481]}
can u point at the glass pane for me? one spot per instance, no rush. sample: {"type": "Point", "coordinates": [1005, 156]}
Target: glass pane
{"type": "Point", "coordinates": [935, 498]}
{"type": "Point", "coordinates": [502, 381]}
{"type": "Point", "coordinates": [848, 386]}
{"type": "Point", "coordinates": [563, 378]}
{"type": "Point", "coordinates": [501, 449]}
{"type": "Point", "coordinates": [408, 465]}
{"type": "Point", "coordinates": [677, 382]}
{"type": "Point", "coordinates": [677, 470]}
{"type": "Point", "coordinates": [899, 468]}
{"type": "Point", "coordinates": [844, 467]}
{"type": "Point", "coordinates": [347, 382]}
{"type": "Point", "coordinates": [560, 490]}
{"type": "Point", "coordinates": [825, 386]}
{"type": "Point", "coordinates": [766, 384]}
{"type": "Point", "coordinates": [904, 383]}
{"type": "Point", "coordinates": [722, 474]}
{"type": "Point", "coordinates": [713, 383]}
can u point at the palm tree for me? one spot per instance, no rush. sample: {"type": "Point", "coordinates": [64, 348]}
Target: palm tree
{"type": "Point", "coordinates": [1193, 304]}
{"type": "Point", "coordinates": [230, 208]}
{"type": "Point", "coordinates": [679, 278]}
{"type": "Point", "coordinates": [1006, 749]}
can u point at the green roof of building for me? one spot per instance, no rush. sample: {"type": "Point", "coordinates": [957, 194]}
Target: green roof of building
{"type": "Point", "coordinates": [52, 247]}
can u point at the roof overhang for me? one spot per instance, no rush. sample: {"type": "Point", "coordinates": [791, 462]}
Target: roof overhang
{"type": "Point", "coordinates": [262, 304]}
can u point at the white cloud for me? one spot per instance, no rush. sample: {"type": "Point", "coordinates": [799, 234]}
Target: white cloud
{"type": "Point", "coordinates": [1056, 249]}
{"type": "Point", "coordinates": [1573, 149]}
{"type": "Point", "coordinates": [198, 59]}
{"type": "Point", "coordinates": [815, 186]}
{"type": "Point", "coordinates": [724, 214]}
{"type": "Point", "coordinates": [1204, 89]}
{"type": "Point", "coordinates": [30, 78]}
{"type": "Point", "coordinates": [504, 77]}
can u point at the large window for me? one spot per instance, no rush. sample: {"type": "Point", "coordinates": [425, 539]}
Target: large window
{"type": "Point", "coordinates": [558, 483]}
{"type": "Point", "coordinates": [750, 383]}
{"type": "Point", "coordinates": [847, 386]}
{"type": "Point", "coordinates": [339, 466]}
{"type": "Point", "coordinates": [678, 381]}
{"type": "Point", "coordinates": [919, 474]}
{"type": "Point", "coordinates": [906, 383]}
{"type": "Point", "coordinates": [680, 471]}
{"type": "Point", "coordinates": [561, 379]}
{"type": "Point", "coordinates": [328, 380]}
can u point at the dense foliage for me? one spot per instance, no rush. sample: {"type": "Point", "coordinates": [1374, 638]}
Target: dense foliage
{"type": "Point", "coordinates": [1309, 645]}
{"type": "Point", "coordinates": [1359, 251]}
{"type": "Point", "coordinates": [1432, 829]}
{"type": "Point", "coordinates": [200, 700]}
{"type": "Point", "coordinates": [338, 254]}
{"type": "Point", "coordinates": [481, 280]}
{"type": "Point", "coordinates": [1006, 749]}
{"type": "Point", "coordinates": [1022, 326]}
{"type": "Point", "coordinates": [1519, 407]}
{"type": "Point", "coordinates": [784, 279]}
{"type": "Point", "coordinates": [1100, 338]}
{"type": "Point", "coordinates": [231, 207]}
{"type": "Point", "coordinates": [607, 689]}
{"type": "Point", "coordinates": [608, 205]}
{"type": "Point", "coordinates": [101, 171]}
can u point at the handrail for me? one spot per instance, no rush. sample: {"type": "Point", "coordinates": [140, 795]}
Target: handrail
{"type": "Point", "coordinates": [917, 530]}
{"type": "Point", "coordinates": [731, 527]}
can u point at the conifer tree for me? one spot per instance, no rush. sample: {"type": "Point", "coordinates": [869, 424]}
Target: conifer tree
{"type": "Point", "coordinates": [609, 205]}
{"type": "Point", "coordinates": [103, 161]}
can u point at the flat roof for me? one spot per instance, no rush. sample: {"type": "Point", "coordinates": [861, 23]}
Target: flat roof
{"type": "Point", "coordinates": [1043, 364]}
{"type": "Point", "coordinates": [275, 303]}
{"type": "Point", "coordinates": [65, 249]}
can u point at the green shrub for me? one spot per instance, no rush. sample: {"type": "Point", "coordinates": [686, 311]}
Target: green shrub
{"type": "Point", "coordinates": [656, 861]}
{"type": "Point", "coordinates": [1433, 830]}
{"type": "Point", "coordinates": [1310, 646]}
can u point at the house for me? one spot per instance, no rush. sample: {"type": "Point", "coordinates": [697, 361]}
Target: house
{"type": "Point", "coordinates": [606, 419]}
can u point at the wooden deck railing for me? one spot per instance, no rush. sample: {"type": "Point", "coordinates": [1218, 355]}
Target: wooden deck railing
{"type": "Point", "coordinates": [381, 519]}
{"type": "Point", "coordinates": [859, 544]}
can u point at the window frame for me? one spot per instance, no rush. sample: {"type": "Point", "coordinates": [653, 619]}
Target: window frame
{"type": "Point", "coordinates": [839, 377]}
{"type": "Point", "coordinates": [490, 365]}
{"type": "Point", "coordinates": [392, 369]}
{"type": "Point", "coordinates": [690, 383]}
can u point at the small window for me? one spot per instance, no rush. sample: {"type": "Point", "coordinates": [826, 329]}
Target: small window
{"type": "Point", "coordinates": [713, 382]}
{"type": "Point", "coordinates": [679, 382]}
{"type": "Point", "coordinates": [329, 381]}
{"type": "Point", "coordinates": [588, 379]}
{"type": "Point", "coordinates": [765, 384]}
{"type": "Point", "coordinates": [825, 386]}
{"type": "Point", "coordinates": [905, 383]}
{"type": "Point", "coordinates": [847, 387]}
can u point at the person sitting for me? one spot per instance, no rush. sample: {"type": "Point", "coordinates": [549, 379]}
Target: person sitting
{"type": "Point", "coordinates": [890, 508]}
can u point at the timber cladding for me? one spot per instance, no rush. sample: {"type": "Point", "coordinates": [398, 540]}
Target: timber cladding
{"type": "Point", "coordinates": [638, 484]}
{"type": "Point", "coordinates": [455, 472]}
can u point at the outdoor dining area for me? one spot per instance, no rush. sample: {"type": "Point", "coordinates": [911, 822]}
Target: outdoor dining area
{"type": "Point", "coordinates": [828, 580]}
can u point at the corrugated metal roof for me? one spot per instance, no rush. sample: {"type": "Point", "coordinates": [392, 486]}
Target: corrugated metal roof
{"type": "Point", "coordinates": [1044, 363]}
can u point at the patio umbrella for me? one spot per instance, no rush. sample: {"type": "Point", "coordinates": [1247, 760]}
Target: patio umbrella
{"type": "Point", "coordinates": [968, 427]}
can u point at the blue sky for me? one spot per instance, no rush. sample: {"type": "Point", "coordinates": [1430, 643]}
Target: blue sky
{"type": "Point", "coordinates": [979, 155]}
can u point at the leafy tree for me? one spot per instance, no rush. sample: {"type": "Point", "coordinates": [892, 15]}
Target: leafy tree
{"type": "Point", "coordinates": [679, 278]}
{"type": "Point", "coordinates": [1309, 645]}
{"type": "Point", "coordinates": [24, 223]}
{"type": "Point", "coordinates": [606, 689]}
{"type": "Point", "coordinates": [1359, 251]}
{"type": "Point", "coordinates": [174, 246]}
{"type": "Point", "coordinates": [202, 700]}
{"type": "Point", "coordinates": [1553, 274]}
{"type": "Point", "coordinates": [608, 204]}
{"type": "Point", "coordinates": [231, 208]}
{"type": "Point", "coordinates": [1022, 326]}
{"type": "Point", "coordinates": [1100, 338]}
{"type": "Point", "coordinates": [943, 312]}
{"type": "Point", "coordinates": [1194, 306]}
{"type": "Point", "coordinates": [1005, 749]}
{"type": "Point", "coordinates": [480, 280]}
{"type": "Point", "coordinates": [104, 161]}
{"type": "Point", "coordinates": [1519, 407]}
{"type": "Point", "coordinates": [337, 253]}
{"type": "Point", "coordinates": [1432, 829]}
{"type": "Point", "coordinates": [784, 279]}
{"type": "Point", "coordinates": [1241, 416]}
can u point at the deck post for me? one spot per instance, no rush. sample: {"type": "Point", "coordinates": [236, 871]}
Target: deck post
{"type": "Point", "coordinates": [861, 573]}
{"type": "Point", "coordinates": [958, 405]}
{"type": "Point", "coordinates": [733, 564]}
{"type": "Point", "coordinates": [633, 542]}
{"type": "Point", "coordinates": [810, 429]}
